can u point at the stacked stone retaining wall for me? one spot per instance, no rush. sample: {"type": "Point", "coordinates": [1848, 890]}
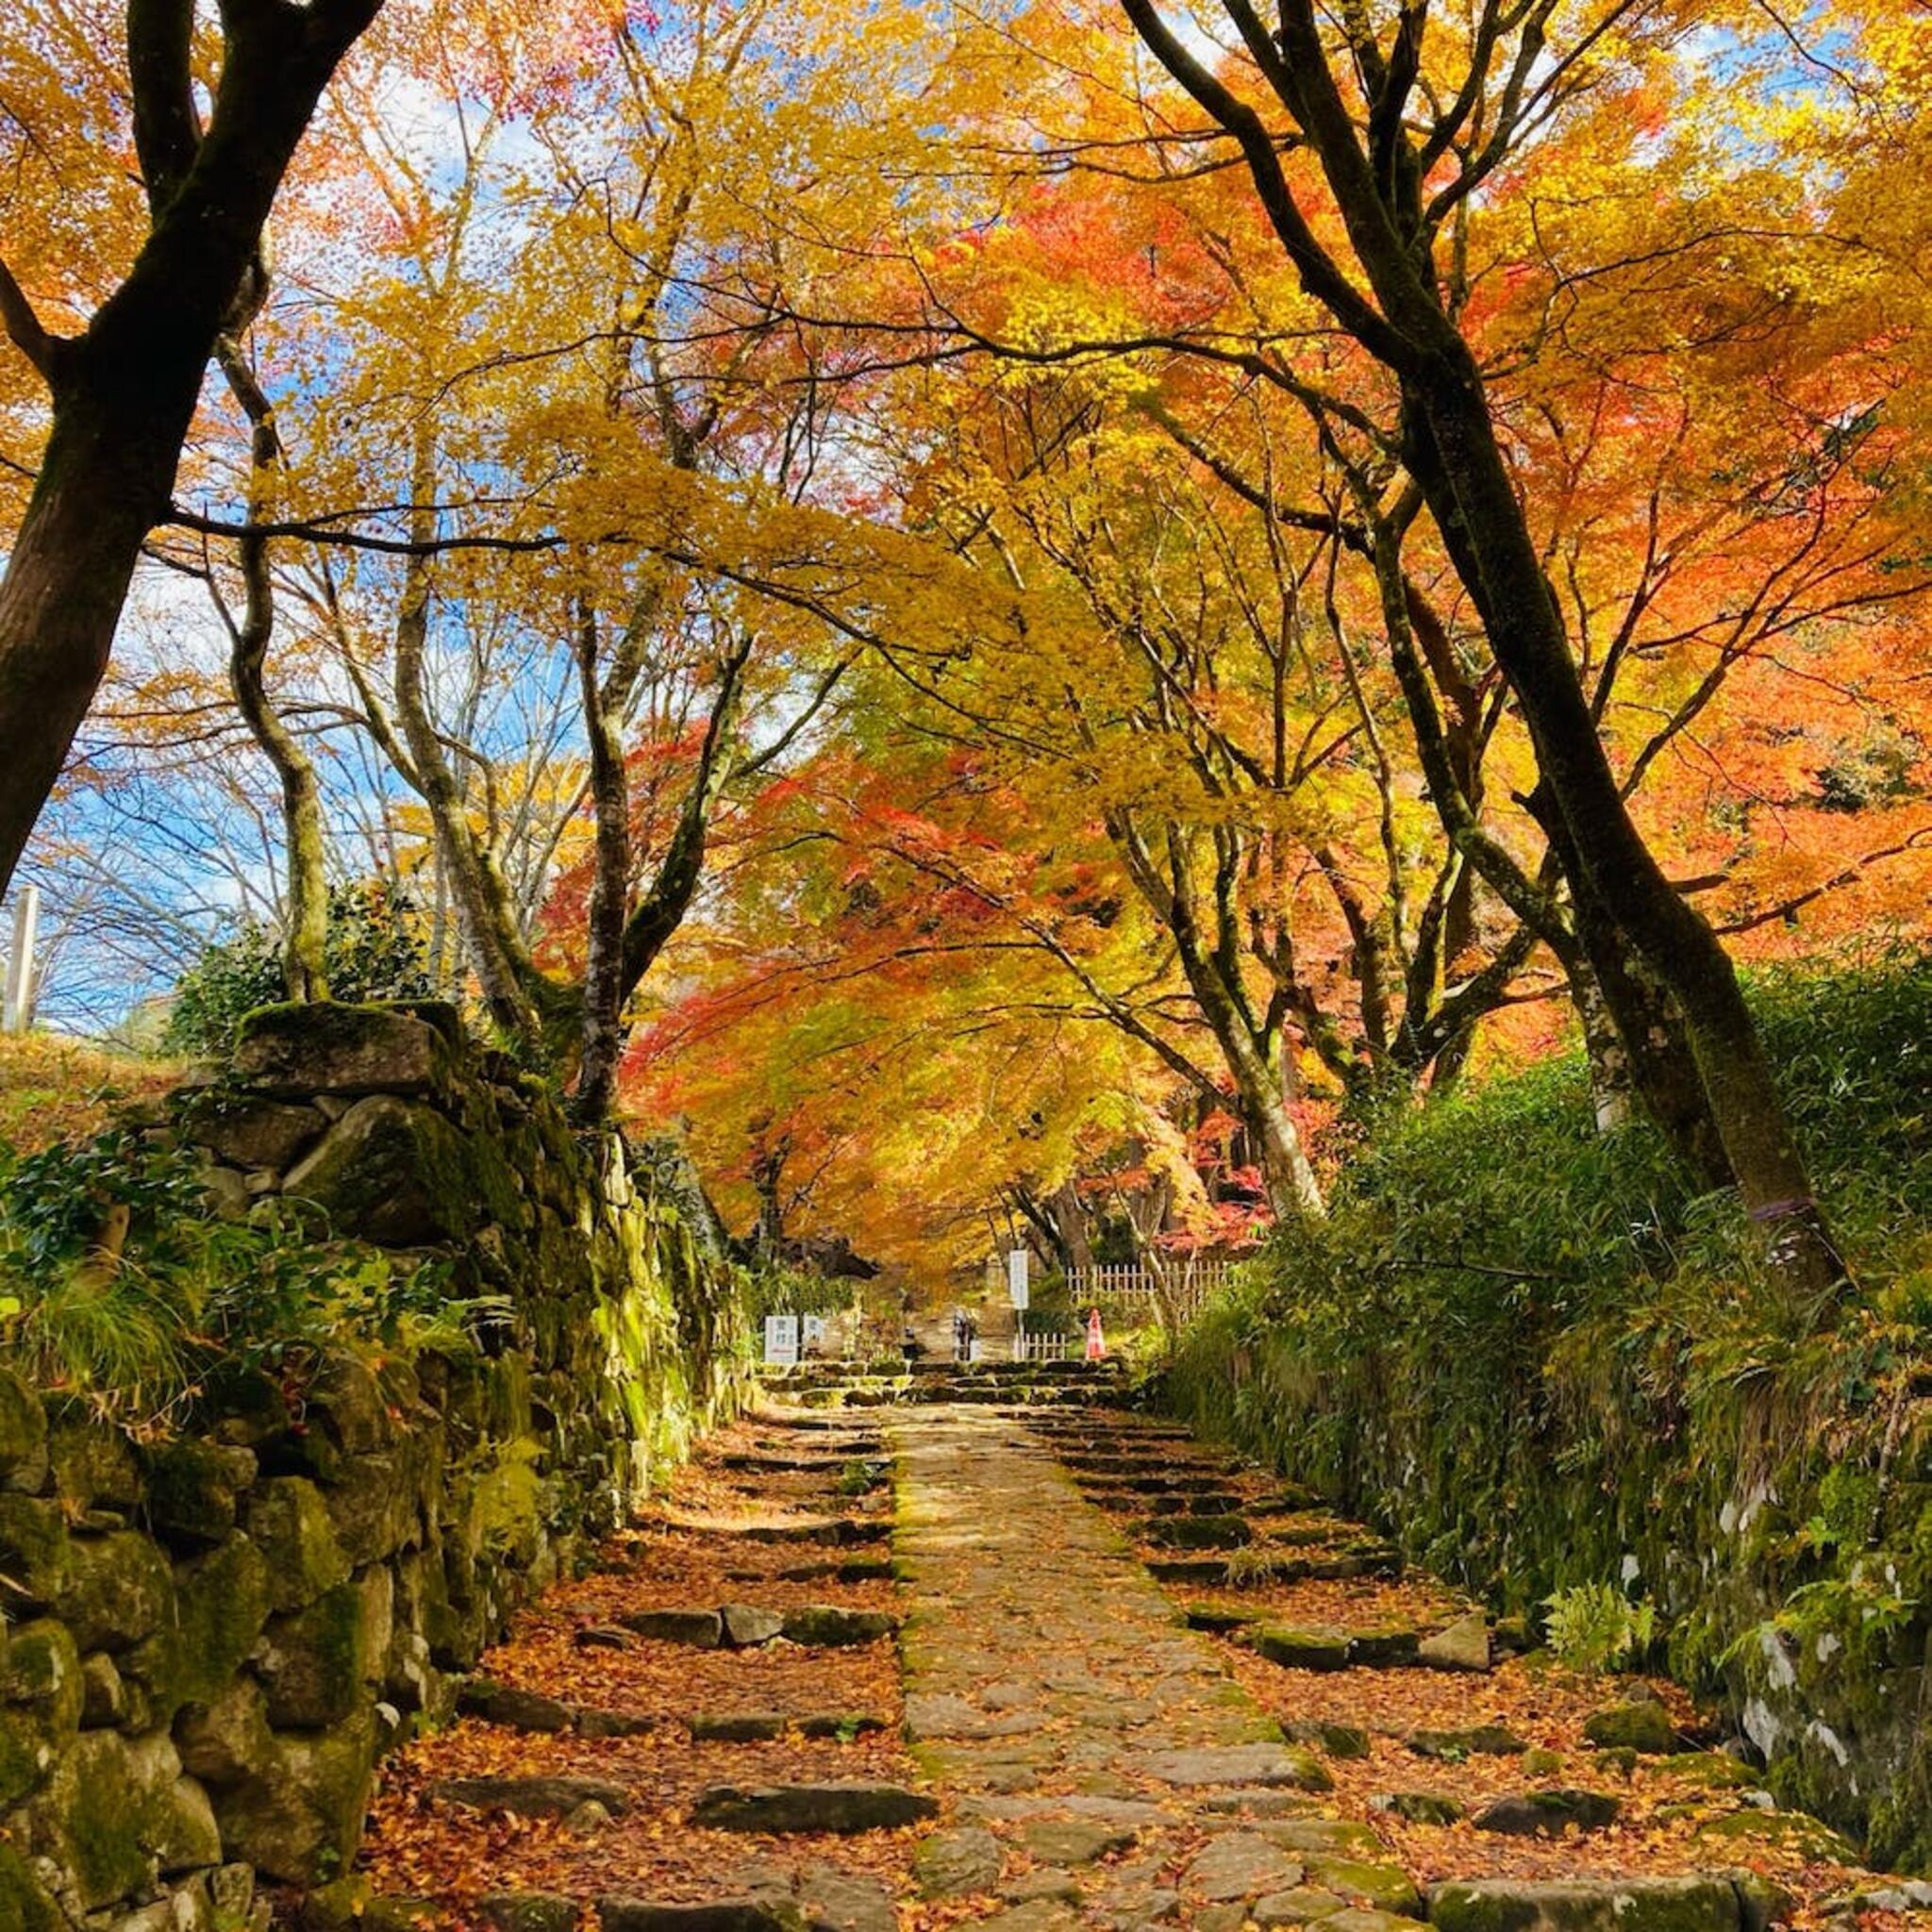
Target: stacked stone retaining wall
{"type": "Point", "coordinates": [209, 1638]}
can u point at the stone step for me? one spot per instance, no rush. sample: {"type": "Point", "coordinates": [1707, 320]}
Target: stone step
{"type": "Point", "coordinates": [763, 1726]}
{"type": "Point", "coordinates": [1195, 1532]}
{"type": "Point", "coordinates": [744, 1627]}
{"type": "Point", "coordinates": [752, 1462]}
{"type": "Point", "coordinates": [1382, 1646]}
{"type": "Point", "coordinates": [530, 1710]}
{"type": "Point", "coordinates": [835, 1530]}
{"type": "Point", "coordinates": [842, 1808]}
{"type": "Point", "coordinates": [533, 1797]}
{"type": "Point", "coordinates": [1712, 1903]}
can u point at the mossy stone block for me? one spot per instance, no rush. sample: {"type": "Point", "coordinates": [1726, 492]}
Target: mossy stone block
{"type": "Point", "coordinates": [23, 1432]}
{"type": "Point", "coordinates": [1303, 1649]}
{"type": "Point", "coordinates": [94, 1464]}
{"type": "Point", "coordinates": [115, 1809]}
{"type": "Point", "coordinates": [1625, 1905]}
{"type": "Point", "coordinates": [221, 1603]}
{"type": "Point", "coordinates": [43, 1692]}
{"type": "Point", "coordinates": [393, 1171]}
{"type": "Point", "coordinates": [24, 1904]}
{"type": "Point", "coordinates": [297, 1817]}
{"type": "Point", "coordinates": [119, 1590]}
{"type": "Point", "coordinates": [288, 1523]}
{"type": "Point", "coordinates": [34, 1551]}
{"type": "Point", "coordinates": [1386, 1887]}
{"type": "Point", "coordinates": [297, 1050]}
{"type": "Point", "coordinates": [317, 1663]}
{"type": "Point", "coordinates": [1644, 1727]}
{"type": "Point", "coordinates": [194, 1490]}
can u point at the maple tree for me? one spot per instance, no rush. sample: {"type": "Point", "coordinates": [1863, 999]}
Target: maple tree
{"type": "Point", "coordinates": [121, 391]}
{"type": "Point", "coordinates": [1293, 561]}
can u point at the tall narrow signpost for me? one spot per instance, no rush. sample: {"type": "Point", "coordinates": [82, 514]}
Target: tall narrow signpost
{"type": "Point", "coordinates": [1016, 1294]}
{"type": "Point", "coordinates": [19, 1010]}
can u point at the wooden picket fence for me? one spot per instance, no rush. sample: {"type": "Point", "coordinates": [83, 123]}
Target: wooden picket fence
{"type": "Point", "coordinates": [1133, 1291]}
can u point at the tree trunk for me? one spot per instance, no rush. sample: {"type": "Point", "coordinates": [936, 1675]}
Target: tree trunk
{"type": "Point", "coordinates": [124, 392]}
{"type": "Point", "coordinates": [1454, 455]}
{"type": "Point", "coordinates": [305, 943]}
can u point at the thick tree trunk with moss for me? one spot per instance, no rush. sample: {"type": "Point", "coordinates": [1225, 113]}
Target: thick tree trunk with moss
{"type": "Point", "coordinates": [124, 392]}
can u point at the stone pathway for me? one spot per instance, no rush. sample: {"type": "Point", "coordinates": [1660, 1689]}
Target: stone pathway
{"type": "Point", "coordinates": [1102, 1761]}
{"type": "Point", "coordinates": [1103, 1675]}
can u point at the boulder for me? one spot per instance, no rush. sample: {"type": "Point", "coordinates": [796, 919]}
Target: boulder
{"type": "Point", "coordinates": [1464, 1645]}
{"type": "Point", "coordinates": [1544, 1814]}
{"type": "Point", "coordinates": [294, 1051]}
{"type": "Point", "coordinates": [1607, 1904]}
{"type": "Point", "coordinates": [957, 1863]}
{"type": "Point", "coordinates": [829, 1627]}
{"type": "Point", "coordinates": [842, 1808]}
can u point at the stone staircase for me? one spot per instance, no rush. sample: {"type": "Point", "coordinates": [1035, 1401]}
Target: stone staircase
{"type": "Point", "coordinates": [885, 1384]}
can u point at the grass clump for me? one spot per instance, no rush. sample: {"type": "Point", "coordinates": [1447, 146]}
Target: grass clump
{"type": "Point", "coordinates": [118, 1285]}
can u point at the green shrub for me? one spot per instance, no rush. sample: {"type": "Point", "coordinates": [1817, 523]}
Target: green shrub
{"type": "Point", "coordinates": [374, 950]}
{"type": "Point", "coordinates": [118, 1285]}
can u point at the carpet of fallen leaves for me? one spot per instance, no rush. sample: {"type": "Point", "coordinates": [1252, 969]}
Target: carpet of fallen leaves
{"type": "Point", "coordinates": [1664, 1800]}
{"type": "Point", "coordinates": [54, 1090]}
{"type": "Point", "coordinates": [686, 1555]}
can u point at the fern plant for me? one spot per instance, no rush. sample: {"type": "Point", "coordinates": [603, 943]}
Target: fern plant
{"type": "Point", "coordinates": [1593, 1626]}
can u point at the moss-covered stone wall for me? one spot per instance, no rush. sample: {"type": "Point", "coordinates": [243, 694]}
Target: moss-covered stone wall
{"type": "Point", "coordinates": [208, 1639]}
{"type": "Point", "coordinates": [1788, 1550]}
